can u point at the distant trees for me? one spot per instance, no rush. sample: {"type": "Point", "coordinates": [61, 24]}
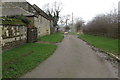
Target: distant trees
{"type": "Point", "coordinates": [79, 23]}
{"type": "Point", "coordinates": [103, 25]}
{"type": "Point", "coordinates": [65, 20]}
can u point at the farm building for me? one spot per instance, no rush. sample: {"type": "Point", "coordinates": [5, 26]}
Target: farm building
{"type": "Point", "coordinates": [15, 32]}
{"type": "Point", "coordinates": [43, 22]}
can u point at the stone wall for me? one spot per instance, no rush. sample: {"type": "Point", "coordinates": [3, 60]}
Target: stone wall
{"type": "Point", "coordinates": [43, 25]}
{"type": "Point", "coordinates": [12, 36]}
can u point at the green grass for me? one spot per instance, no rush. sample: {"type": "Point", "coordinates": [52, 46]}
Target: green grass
{"type": "Point", "coordinates": [104, 43]}
{"type": "Point", "coordinates": [20, 60]}
{"type": "Point", "coordinates": [55, 38]}
{"type": "Point", "coordinates": [73, 33]}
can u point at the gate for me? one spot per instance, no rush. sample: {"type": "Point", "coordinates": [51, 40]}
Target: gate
{"type": "Point", "coordinates": [31, 35]}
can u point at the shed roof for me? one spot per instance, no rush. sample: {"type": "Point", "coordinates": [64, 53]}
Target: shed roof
{"type": "Point", "coordinates": [41, 12]}
{"type": "Point", "coordinates": [15, 11]}
{"type": "Point", "coordinates": [9, 9]}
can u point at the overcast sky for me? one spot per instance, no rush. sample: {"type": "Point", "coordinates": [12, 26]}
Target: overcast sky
{"type": "Point", "coordinates": [87, 9]}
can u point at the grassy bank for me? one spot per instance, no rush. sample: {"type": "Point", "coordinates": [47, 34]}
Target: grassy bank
{"type": "Point", "coordinates": [20, 60]}
{"type": "Point", "coordinates": [106, 44]}
{"type": "Point", "coordinates": [57, 37]}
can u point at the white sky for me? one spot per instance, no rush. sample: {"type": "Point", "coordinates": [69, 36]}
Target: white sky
{"type": "Point", "coordinates": [87, 9]}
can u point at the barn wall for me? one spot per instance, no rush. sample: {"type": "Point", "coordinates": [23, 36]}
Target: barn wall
{"type": "Point", "coordinates": [12, 36]}
{"type": "Point", "coordinates": [43, 25]}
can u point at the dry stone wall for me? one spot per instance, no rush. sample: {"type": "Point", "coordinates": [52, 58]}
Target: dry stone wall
{"type": "Point", "coordinates": [12, 36]}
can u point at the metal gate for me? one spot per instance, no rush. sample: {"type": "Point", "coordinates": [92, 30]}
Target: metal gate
{"type": "Point", "coordinates": [31, 35]}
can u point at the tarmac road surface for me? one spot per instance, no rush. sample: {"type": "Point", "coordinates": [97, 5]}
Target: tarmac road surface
{"type": "Point", "coordinates": [72, 59]}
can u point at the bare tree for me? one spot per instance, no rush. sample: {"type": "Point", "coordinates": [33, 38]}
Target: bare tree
{"type": "Point", "coordinates": [104, 25]}
{"type": "Point", "coordinates": [54, 10]}
{"type": "Point", "coordinates": [66, 19]}
{"type": "Point", "coordinates": [79, 23]}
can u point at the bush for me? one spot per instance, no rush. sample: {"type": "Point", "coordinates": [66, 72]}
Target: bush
{"type": "Point", "coordinates": [103, 25]}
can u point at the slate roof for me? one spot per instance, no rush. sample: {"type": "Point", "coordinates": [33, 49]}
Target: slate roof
{"type": "Point", "coordinates": [9, 9]}
{"type": "Point", "coordinates": [15, 11]}
{"type": "Point", "coordinates": [25, 8]}
{"type": "Point", "coordinates": [41, 12]}
{"type": "Point", "coordinates": [119, 11]}
{"type": "Point", "coordinates": [13, 0]}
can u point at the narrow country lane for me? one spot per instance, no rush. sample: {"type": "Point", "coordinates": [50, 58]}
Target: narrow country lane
{"type": "Point", "coordinates": [72, 59]}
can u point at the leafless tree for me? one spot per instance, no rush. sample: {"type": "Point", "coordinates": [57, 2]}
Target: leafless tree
{"type": "Point", "coordinates": [79, 23]}
{"type": "Point", "coordinates": [104, 25]}
{"type": "Point", "coordinates": [66, 21]}
{"type": "Point", "coordinates": [54, 10]}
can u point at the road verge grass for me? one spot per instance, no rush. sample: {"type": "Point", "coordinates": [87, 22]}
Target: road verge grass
{"type": "Point", "coordinates": [18, 61]}
{"type": "Point", "coordinates": [104, 43]}
{"type": "Point", "coordinates": [73, 33]}
{"type": "Point", "coordinates": [54, 38]}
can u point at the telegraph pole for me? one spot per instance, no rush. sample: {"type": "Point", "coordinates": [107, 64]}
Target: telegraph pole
{"type": "Point", "coordinates": [72, 23]}
{"type": "Point", "coordinates": [72, 18]}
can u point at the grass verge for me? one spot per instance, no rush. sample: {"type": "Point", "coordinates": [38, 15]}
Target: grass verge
{"type": "Point", "coordinates": [73, 33]}
{"type": "Point", "coordinates": [104, 43]}
{"type": "Point", "coordinates": [55, 38]}
{"type": "Point", "coordinates": [20, 60]}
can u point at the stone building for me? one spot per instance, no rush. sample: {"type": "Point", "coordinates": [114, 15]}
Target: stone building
{"type": "Point", "coordinates": [43, 22]}
{"type": "Point", "coordinates": [13, 35]}
{"type": "Point", "coordinates": [13, 32]}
